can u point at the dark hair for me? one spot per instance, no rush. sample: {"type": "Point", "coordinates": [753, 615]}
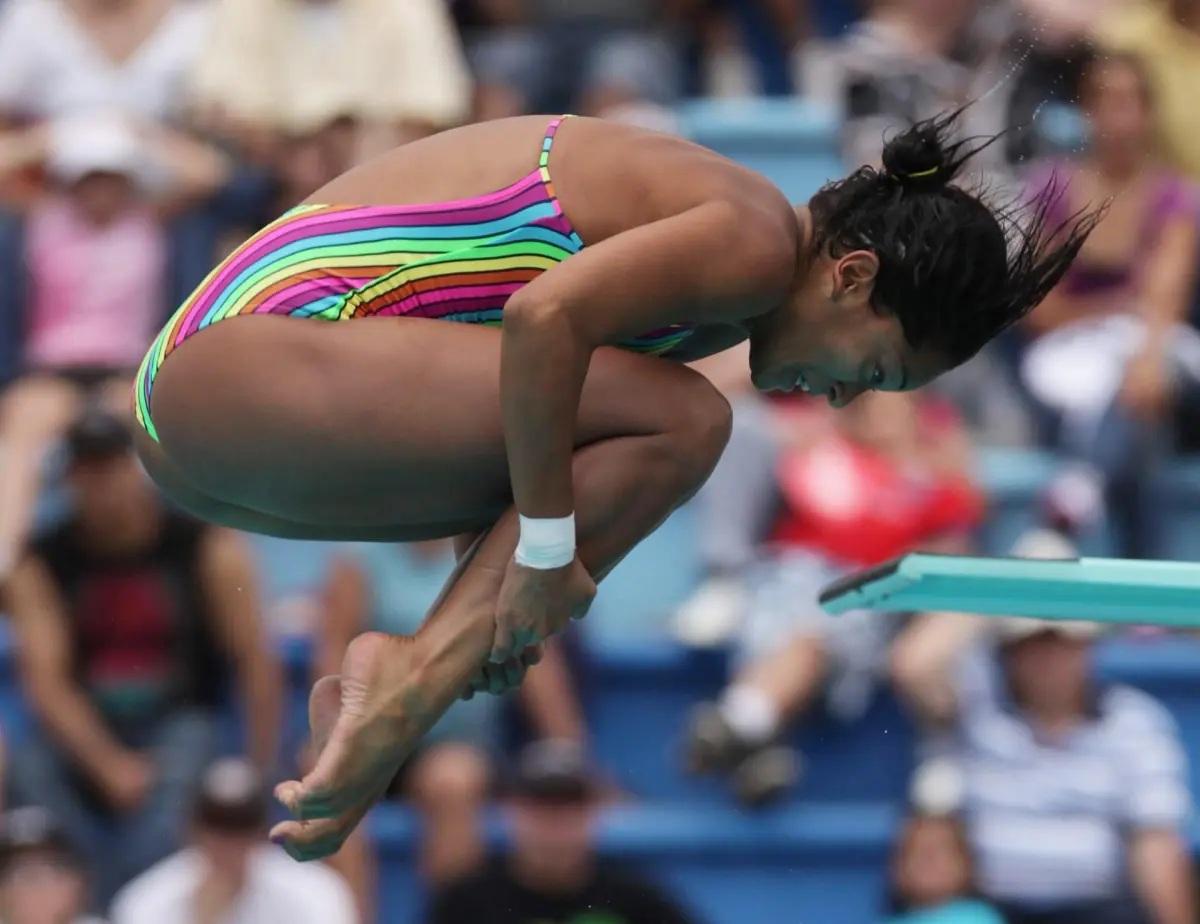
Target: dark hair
{"type": "Point", "coordinates": [97, 435]}
{"type": "Point", "coordinates": [955, 270]}
{"type": "Point", "coordinates": [898, 903]}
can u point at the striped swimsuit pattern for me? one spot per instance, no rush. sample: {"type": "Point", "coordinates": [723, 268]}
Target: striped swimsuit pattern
{"type": "Point", "coordinates": [452, 261]}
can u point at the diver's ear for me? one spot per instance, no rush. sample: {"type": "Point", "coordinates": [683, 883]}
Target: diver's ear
{"type": "Point", "coordinates": [854, 274]}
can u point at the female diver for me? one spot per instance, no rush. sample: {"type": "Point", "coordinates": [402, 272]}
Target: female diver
{"type": "Point", "coordinates": [552, 443]}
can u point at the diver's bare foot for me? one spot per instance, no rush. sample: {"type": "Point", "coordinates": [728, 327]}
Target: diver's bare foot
{"type": "Point", "coordinates": [391, 691]}
{"type": "Point", "coordinates": [364, 725]}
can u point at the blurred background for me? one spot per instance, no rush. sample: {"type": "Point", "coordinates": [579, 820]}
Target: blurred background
{"type": "Point", "coordinates": [708, 746]}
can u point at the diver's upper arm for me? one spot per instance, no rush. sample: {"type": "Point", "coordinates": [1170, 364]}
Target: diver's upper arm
{"type": "Point", "coordinates": [716, 262]}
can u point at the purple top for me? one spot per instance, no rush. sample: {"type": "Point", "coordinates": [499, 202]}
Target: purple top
{"type": "Point", "coordinates": [1171, 197]}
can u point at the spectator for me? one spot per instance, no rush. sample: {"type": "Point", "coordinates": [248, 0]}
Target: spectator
{"type": "Point", "coordinates": [1109, 344]}
{"type": "Point", "coordinates": [389, 588]}
{"type": "Point", "coordinates": [1165, 36]}
{"type": "Point", "coordinates": [1051, 39]}
{"type": "Point", "coordinates": [229, 874]}
{"type": "Point", "coordinates": [68, 58]}
{"type": "Point", "coordinates": [552, 873]}
{"type": "Point", "coordinates": [885, 476]}
{"type": "Point", "coordinates": [1075, 792]}
{"type": "Point", "coordinates": [590, 56]}
{"type": "Point", "coordinates": [392, 71]}
{"type": "Point", "coordinates": [736, 507]}
{"type": "Point", "coordinates": [125, 616]}
{"type": "Point", "coordinates": [42, 880]}
{"type": "Point", "coordinates": [95, 253]}
{"type": "Point", "coordinates": [911, 59]}
{"type": "Point", "coordinates": [933, 875]}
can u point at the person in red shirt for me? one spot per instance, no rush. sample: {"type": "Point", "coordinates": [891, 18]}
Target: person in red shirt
{"type": "Point", "coordinates": [886, 476]}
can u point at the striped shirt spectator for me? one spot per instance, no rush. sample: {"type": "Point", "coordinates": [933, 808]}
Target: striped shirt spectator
{"type": "Point", "coordinates": [1049, 820]}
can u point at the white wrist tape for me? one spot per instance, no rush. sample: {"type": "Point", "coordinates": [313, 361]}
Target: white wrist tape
{"type": "Point", "coordinates": [546, 544]}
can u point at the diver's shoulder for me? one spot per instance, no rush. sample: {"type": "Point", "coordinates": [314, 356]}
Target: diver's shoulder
{"type": "Point", "coordinates": [674, 152]}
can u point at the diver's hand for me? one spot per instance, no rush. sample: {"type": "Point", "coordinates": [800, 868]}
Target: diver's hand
{"type": "Point", "coordinates": [535, 604]}
{"type": "Point", "coordinates": [498, 679]}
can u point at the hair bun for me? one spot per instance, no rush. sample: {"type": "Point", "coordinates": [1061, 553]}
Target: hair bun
{"type": "Point", "coordinates": [923, 157]}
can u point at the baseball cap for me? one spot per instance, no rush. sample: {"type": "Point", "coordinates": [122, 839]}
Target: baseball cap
{"type": "Point", "coordinates": [553, 771]}
{"type": "Point", "coordinates": [233, 796]}
{"type": "Point", "coordinates": [32, 829]}
{"type": "Point", "coordinates": [1018, 628]}
{"type": "Point", "coordinates": [93, 143]}
{"type": "Point", "coordinates": [1045, 544]}
{"type": "Point", "coordinates": [97, 435]}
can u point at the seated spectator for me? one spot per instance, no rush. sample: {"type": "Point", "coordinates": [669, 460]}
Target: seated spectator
{"type": "Point", "coordinates": [389, 588]}
{"type": "Point", "coordinates": [67, 58]}
{"type": "Point", "coordinates": [741, 48]}
{"type": "Point", "coordinates": [229, 874]}
{"type": "Point", "coordinates": [1075, 793]}
{"type": "Point", "coordinates": [736, 505]}
{"type": "Point", "coordinates": [95, 254]}
{"type": "Point", "coordinates": [587, 56]}
{"type": "Point", "coordinates": [933, 875]}
{"type": "Point", "coordinates": [125, 617]}
{"type": "Point", "coordinates": [1164, 35]}
{"type": "Point", "coordinates": [394, 71]}
{"type": "Point", "coordinates": [885, 476]}
{"type": "Point", "coordinates": [1108, 348]}
{"type": "Point", "coordinates": [42, 880]}
{"type": "Point", "coordinates": [551, 872]}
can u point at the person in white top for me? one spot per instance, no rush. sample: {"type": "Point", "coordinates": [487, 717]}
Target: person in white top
{"type": "Point", "coordinates": [230, 874]}
{"type": "Point", "coordinates": [59, 57]}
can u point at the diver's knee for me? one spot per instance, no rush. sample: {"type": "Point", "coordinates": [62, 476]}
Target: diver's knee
{"type": "Point", "coordinates": [701, 432]}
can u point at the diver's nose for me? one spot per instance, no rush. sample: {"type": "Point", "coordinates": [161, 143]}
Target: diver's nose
{"type": "Point", "coordinates": [840, 394]}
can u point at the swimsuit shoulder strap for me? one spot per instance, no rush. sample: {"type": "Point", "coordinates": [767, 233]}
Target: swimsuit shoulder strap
{"type": "Point", "coordinates": [548, 142]}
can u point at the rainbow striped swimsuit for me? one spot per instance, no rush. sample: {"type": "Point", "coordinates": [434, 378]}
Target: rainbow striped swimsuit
{"type": "Point", "coordinates": [451, 261]}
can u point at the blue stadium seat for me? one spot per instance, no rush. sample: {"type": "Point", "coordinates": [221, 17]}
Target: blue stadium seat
{"type": "Point", "coordinates": [1178, 497]}
{"type": "Point", "coordinates": [287, 566]}
{"type": "Point", "coordinates": [639, 710]}
{"type": "Point", "coordinates": [638, 598]}
{"type": "Point", "coordinates": [1014, 481]}
{"type": "Point", "coordinates": [809, 863]}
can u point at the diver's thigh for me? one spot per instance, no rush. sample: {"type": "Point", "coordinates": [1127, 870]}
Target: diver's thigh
{"type": "Point", "coordinates": [376, 420]}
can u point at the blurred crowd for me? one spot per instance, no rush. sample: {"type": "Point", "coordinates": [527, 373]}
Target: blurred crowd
{"type": "Point", "coordinates": [141, 139]}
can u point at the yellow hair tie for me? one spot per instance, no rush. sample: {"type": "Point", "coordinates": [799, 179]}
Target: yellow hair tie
{"type": "Point", "coordinates": [930, 172]}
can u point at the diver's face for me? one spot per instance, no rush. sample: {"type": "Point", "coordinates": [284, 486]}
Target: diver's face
{"type": "Point", "coordinates": [829, 340]}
